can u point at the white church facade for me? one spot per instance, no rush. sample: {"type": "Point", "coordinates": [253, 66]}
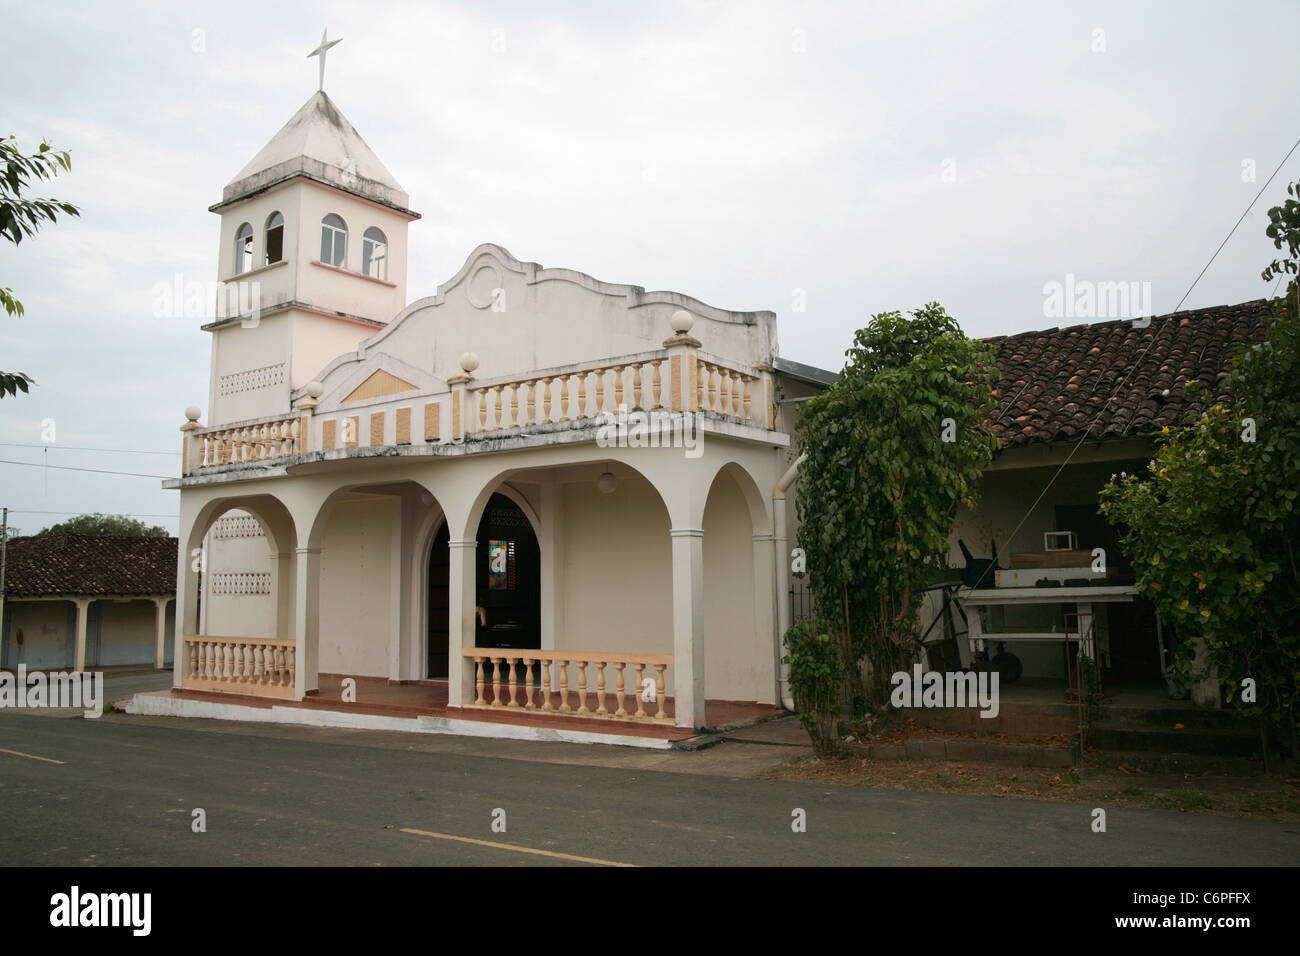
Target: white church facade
{"type": "Point", "coordinates": [534, 497]}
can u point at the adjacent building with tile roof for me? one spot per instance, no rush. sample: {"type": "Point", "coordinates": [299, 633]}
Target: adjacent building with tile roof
{"type": "Point", "coordinates": [83, 601]}
{"type": "Point", "coordinates": [1075, 406]}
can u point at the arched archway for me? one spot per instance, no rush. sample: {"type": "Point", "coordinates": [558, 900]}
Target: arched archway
{"type": "Point", "coordinates": [249, 578]}
{"type": "Point", "coordinates": [738, 593]}
{"type": "Point", "coordinates": [508, 577]}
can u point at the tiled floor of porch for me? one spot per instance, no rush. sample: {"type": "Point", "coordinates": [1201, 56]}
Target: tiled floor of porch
{"type": "Point", "coordinates": [379, 697]}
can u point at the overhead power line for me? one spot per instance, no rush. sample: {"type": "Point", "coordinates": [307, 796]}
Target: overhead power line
{"type": "Point", "coordinates": [95, 471]}
{"type": "Point", "coordinates": [115, 451]}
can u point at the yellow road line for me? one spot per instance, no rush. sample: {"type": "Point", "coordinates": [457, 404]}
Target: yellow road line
{"type": "Point", "coordinates": [517, 849]}
{"type": "Point", "coordinates": [19, 753]}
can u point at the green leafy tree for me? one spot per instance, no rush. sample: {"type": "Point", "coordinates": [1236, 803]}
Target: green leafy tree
{"type": "Point", "coordinates": [892, 447]}
{"type": "Point", "coordinates": [1213, 527]}
{"type": "Point", "coordinates": [21, 218]}
{"type": "Point", "coordinates": [106, 524]}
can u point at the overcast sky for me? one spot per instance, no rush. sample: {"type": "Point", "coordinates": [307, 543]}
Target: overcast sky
{"type": "Point", "coordinates": [874, 156]}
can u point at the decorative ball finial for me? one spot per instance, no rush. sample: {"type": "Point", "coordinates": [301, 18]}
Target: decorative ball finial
{"type": "Point", "coordinates": [192, 413]}
{"type": "Point", "coordinates": [469, 362]}
{"type": "Point", "coordinates": [315, 389]}
{"type": "Point", "coordinates": [681, 321]}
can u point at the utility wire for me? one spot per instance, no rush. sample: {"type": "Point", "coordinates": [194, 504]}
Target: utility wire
{"type": "Point", "coordinates": [97, 471]}
{"type": "Point", "coordinates": [116, 451]}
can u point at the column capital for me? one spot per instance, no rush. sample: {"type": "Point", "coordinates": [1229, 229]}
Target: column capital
{"type": "Point", "coordinates": [686, 533]}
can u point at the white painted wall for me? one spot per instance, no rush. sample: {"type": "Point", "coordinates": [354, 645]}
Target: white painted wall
{"type": "Point", "coordinates": [237, 615]}
{"type": "Point", "coordinates": [355, 595]}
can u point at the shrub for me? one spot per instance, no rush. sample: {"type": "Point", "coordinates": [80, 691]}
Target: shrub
{"type": "Point", "coordinates": [816, 674]}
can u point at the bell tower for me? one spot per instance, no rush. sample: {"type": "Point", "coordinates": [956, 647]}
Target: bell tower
{"type": "Point", "coordinates": [312, 259]}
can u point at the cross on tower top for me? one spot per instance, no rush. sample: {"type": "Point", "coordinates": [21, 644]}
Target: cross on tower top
{"type": "Point", "coordinates": [321, 50]}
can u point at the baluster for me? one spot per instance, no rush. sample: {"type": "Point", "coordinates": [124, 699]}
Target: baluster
{"type": "Point", "coordinates": [737, 400]}
{"type": "Point", "coordinates": [511, 682]}
{"type": "Point", "coordinates": [496, 682]}
{"type": "Point", "coordinates": [564, 687]}
{"type": "Point", "coordinates": [699, 384]}
{"type": "Point", "coordinates": [546, 399]}
{"type": "Point", "coordinates": [290, 656]}
{"type": "Point", "coordinates": [194, 660]}
{"type": "Point", "coordinates": [640, 699]}
{"type": "Point", "coordinates": [482, 408]}
{"type": "Point", "coordinates": [478, 680]}
{"type": "Point", "coordinates": [748, 381]}
{"type": "Point", "coordinates": [582, 394]}
{"type": "Point", "coordinates": [636, 384]}
{"type": "Point", "coordinates": [275, 664]}
{"type": "Point", "coordinates": [622, 711]}
{"type": "Point", "coordinates": [564, 410]}
{"type": "Point", "coordinates": [600, 390]}
{"type": "Point", "coordinates": [657, 387]}
{"type": "Point", "coordinates": [497, 411]}
{"type": "Point", "coordinates": [659, 691]}
{"type": "Point", "coordinates": [545, 677]}
{"type": "Point", "coordinates": [714, 378]}
{"type": "Point", "coordinates": [582, 687]}
{"type": "Point", "coordinates": [514, 403]}
{"type": "Point", "coordinates": [528, 684]}
{"type": "Point", "coordinates": [618, 386]}
{"type": "Point", "coordinates": [601, 711]}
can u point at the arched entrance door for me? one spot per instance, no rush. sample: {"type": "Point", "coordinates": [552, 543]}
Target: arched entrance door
{"type": "Point", "coordinates": [508, 578]}
{"type": "Point", "coordinates": [439, 569]}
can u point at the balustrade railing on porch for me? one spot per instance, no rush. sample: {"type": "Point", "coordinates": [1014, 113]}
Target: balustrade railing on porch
{"type": "Point", "coordinates": [257, 666]}
{"type": "Point", "coordinates": [661, 381]}
{"type": "Point", "coordinates": [249, 441]}
{"type": "Point", "coordinates": [498, 683]}
{"type": "Point", "coordinates": [640, 382]}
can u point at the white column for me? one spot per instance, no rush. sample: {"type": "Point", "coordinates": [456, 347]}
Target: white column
{"type": "Point", "coordinates": [160, 631]}
{"type": "Point", "coordinates": [187, 583]}
{"type": "Point", "coordinates": [550, 546]}
{"type": "Point", "coordinates": [688, 626]}
{"type": "Point", "coordinates": [767, 642]}
{"type": "Point", "coordinates": [306, 620]}
{"type": "Point", "coordinates": [282, 588]}
{"type": "Point", "coordinates": [460, 625]}
{"type": "Point", "coordinates": [398, 584]}
{"type": "Point", "coordinates": [83, 612]}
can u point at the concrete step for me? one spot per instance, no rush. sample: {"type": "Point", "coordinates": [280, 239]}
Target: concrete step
{"type": "Point", "coordinates": [1190, 740]}
{"type": "Point", "coordinates": [1165, 718]}
{"type": "Point", "coordinates": [1013, 719]}
{"type": "Point", "coordinates": [1152, 762]}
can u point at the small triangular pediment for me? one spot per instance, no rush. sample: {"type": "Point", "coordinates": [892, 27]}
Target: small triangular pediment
{"type": "Point", "coordinates": [379, 384]}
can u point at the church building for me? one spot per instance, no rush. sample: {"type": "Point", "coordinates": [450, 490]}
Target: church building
{"type": "Point", "coordinates": [532, 503]}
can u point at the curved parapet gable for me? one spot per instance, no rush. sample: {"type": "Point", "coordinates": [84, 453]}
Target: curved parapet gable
{"type": "Point", "coordinates": [518, 316]}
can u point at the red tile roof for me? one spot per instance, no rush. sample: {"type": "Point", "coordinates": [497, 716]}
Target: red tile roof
{"type": "Point", "coordinates": [89, 564]}
{"type": "Point", "coordinates": [1057, 382]}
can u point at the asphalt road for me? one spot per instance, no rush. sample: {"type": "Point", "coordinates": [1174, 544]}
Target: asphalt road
{"type": "Point", "coordinates": [124, 790]}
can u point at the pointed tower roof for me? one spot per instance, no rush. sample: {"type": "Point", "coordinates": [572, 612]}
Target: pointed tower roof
{"type": "Point", "coordinates": [318, 143]}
